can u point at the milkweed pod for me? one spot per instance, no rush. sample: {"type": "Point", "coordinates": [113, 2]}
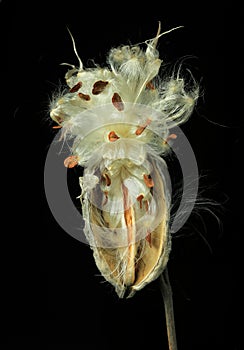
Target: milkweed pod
{"type": "Point", "coordinates": [127, 221]}
{"type": "Point", "coordinates": [120, 117]}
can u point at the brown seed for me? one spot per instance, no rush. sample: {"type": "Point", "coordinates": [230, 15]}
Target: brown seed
{"type": "Point", "coordinates": [71, 161]}
{"type": "Point", "coordinates": [129, 219]}
{"type": "Point", "coordinates": [146, 206]}
{"type": "Point", "coordinates": [99, 86]}
{"type": "Point", "coordinates": [149, 239]}
{"type": "Point", "coordinates": [140, 129]}
{"type": "Point", "coordinates": [170, 137]}
{"type": "Point", "coordinates": [117, 102]}
{"type": "Point", "coordinates": [148, 180]}
{"type": "Point", "coordinates": [128, 215]}
{"type": "Point", "coordinates": [140, 198]}
{"type": "Point", "coordinates": [150, 86]}
{"type": "Point", "coordinates": [57, 126]}
{"type": "Point", "coordinates": [112, 136]}
{"type": "Point", "coordinates": [76, 87]}
{"type": "Point", "coordinates": [84, 96]}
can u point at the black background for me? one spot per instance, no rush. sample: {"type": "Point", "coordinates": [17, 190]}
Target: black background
{"type": "Point", "coordinates": [56, 293]}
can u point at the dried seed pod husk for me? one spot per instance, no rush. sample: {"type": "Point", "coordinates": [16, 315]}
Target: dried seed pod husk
{"type": "Point", "coordinates": [130, 239]}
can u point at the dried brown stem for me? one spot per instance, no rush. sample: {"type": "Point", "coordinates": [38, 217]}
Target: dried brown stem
{"type": "Point", "coordinates": [169, 309]}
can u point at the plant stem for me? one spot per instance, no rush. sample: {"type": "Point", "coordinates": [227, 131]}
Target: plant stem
{"type": "Point", "coordinates": [168, 308]}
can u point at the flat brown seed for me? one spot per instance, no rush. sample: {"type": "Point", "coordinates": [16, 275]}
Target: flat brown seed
{"type": "Point", "coordinates": [140, 198]}
{"type": "Point", "coordinates": [150, 86]}
{"type": "Point", "coordinates": [57, 126]}
{"type": "Point", "coordinates": [170, 137]}
{"type": "Point", "coordinates": [141, 128]}
{"type": "Point", "coordinates": [71, 161]}
{"type": "Point", "coordinates": [84, 96]}
{"type": "Point", "coordinates": [99, 86]}
{"type": "Point", "coordinates": [76, 87]}
{"type": "Point", "coordinates": [112, 136]}
{"type": "Point", "coordinates": [117, 102]}
{"type": "Point", "coordinates": [148, 180]}
{"type": "Point", "coordinates": [149, 239]}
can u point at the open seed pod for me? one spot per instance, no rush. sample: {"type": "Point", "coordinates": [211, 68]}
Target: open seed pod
{"type": "Point", "coordinates": [126, 215]}
{"type": "Point", "coordinates": [120, 117]}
